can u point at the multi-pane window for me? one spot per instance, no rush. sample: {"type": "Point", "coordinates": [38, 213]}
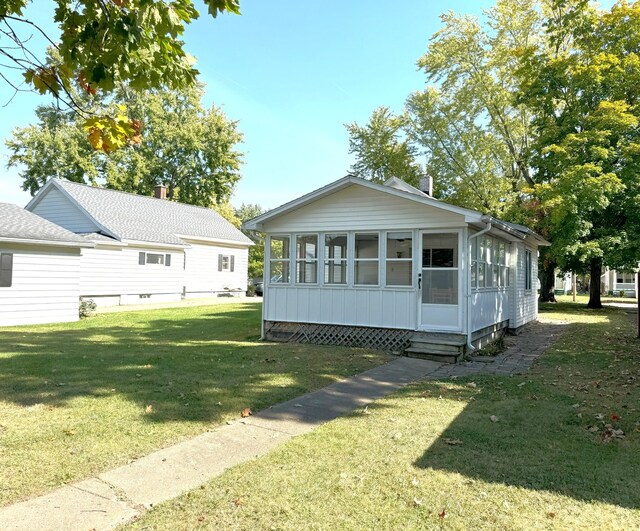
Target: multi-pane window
{"type": "Point", "coordinates": [279, 259]}
{"type": "Point", "coordinates": [440, 269]}
{"type": "Point", "coordinates": [226, 262]}
{"type": "Point", "coordinates": [154, 259]}
{"type": "Point", "coordinates": [335, 258]}
{"type": "Point", "coordinates": [366, 259]}
{"type": "Point", "coordinates": [307, 259]}
{"type": "Point", "coordinates": [528, 269]}
{"type": "Point", "coordinates": [6, 270]}
{"type": "Point", "coordinates": [489, 263]}
{"type": "Point", "coordinates": [399, 262]}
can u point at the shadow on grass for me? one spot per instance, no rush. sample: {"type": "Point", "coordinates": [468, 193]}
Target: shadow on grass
{"type": "Point", "coordinates": [540, 440]}
{"type": "Point", "coordinates": [189, 365]}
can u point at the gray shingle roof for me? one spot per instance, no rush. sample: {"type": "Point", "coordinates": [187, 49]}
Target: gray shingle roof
{"type": "Point", "coordinates": [144, 218]}
{"type": "Point", "coordinates": [17, 223]}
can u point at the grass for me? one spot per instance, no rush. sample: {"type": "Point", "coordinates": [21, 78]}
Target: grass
{"type": "Point", "coordinates": [79, 398]}
{"type": "Point", "coordinates": [584, 299]}
{"type": "Point", "coordinates": [430, 457]}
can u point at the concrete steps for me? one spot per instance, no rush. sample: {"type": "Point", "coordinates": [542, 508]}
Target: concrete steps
{"type": "Point", "coordinates": [447, 348]}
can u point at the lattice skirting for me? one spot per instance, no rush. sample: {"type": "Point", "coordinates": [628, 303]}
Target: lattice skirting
{"type": "Point", "coordinates": [390, 339]}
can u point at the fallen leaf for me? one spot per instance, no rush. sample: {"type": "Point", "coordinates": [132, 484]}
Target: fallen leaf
{"type": "Point", "coordinates": [397, 435]}
{"type": "Point", "coordinates": [148, 409]}
{"type": "Point", "coordinates": [493, 418]}
{"type": "Point", "coordinates": [200, 518]}
{"type": "Point", "coordinates": [551, 515]}
{"type": "Point", "coordinates": [270, 360]}
{"type": "Point", "coordinates": [522, 383]}
{"type": "Point", "coordinates": [417, 502]}
{"type": "Point", "coordinates": [69, 432]}
{"type": "Point", "coordinates": [472, 385]}
{"type": "Point", "coordinates": [443, 514]}
{"type": "Point", "coordinates": [414, 481]}
{"type": "Point", "coordinates": [246, 412]}
{"type": "Point", "coordinates": [238, 501]}
{"type": "Point", "coordinates": [453, 442]}
{"type": "Point", "coordinates": [614, 417]}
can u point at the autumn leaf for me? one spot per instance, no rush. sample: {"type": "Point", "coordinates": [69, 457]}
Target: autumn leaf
{"type": "Point", "coordinates": [493, 418]}
{"type": "Point", "coordinates": [238, 501]}
{"type": "Point", "coordinates": [246, 412]}
{"type": "Point", "coordinates": [614, 417]}
{"type": "Point", "coordinates": [148, 409]}
{"type": "Point", "coordinates": [443, 514]}
{"type": "Point", "coordinates": [453, 442]}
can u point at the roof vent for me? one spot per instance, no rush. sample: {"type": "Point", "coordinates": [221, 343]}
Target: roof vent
{"type": "Point", "coordinates": [160, 191]}
{"type": "Point", "coordinates": [426, 185]}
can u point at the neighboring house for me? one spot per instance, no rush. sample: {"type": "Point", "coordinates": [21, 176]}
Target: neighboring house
{"type": "Point", "coordinates": [389, 266]}
{"type": "Point", "coordinates": [39, 269]}
{"type": "Point", "coordinates": [146, 249]}
{"type": "Point", "coordinates": [617, 282]}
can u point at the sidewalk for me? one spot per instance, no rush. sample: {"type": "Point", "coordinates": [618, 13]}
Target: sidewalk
{"type": "Point", "coordinates": [116, 496]}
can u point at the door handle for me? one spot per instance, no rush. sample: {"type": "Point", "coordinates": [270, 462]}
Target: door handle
{"type": "Point", "coordinates": [419, 280]}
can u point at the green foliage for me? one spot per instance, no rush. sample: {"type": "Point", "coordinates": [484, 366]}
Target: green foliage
{"type": "Point", "coordinates": [585, 95]}
{"type": "Point", "coordinates": [87, 308]}
{"type": "Point", "coordinates": [103, 45]}
{"type": "Point", "coordinates": [256, 253]}
{"type": "Point", "coordinates": [190, 149]}
{"type": "Point", "coordinates": [380, 151]}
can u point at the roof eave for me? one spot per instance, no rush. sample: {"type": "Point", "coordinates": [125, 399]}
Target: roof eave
{"type": "Point", "coordinates": [53, 243]}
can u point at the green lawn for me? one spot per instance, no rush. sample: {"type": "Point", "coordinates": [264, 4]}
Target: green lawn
{"type": "Point", "coordinates": [430, 457]}
{"type": "Point", "coordinates": [79, 398]}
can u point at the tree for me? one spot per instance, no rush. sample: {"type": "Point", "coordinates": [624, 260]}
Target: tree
{"type": "Point", "coordinates": [380, 151]}
{"type": "Point", "coordinates": [189, 149]}
{"type": "Point", "coordinates": [102, 45]}
{"type": "Point", "coordinates": [585, 93]}
{"type": "Point", "coordinates": [256, 252]}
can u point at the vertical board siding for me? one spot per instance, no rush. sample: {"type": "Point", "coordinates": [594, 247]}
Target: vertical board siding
{"type": "Point", "coordinates": [201, 275]}
{"type": "Point", "coordinates": [57, 208]}
{"type": "Point", "coordinates": [44, 288]}
{"type": "Point", "coordinates": [116, 271]}
{"type": "Point", "coordinates": [343, 306]}
{"type": "Point", "coordinates": [359, 208]}
{"type": "Point", "coordinates": [489, 307]}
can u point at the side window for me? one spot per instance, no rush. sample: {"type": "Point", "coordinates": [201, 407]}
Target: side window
{"type": "Point", "coordinates": [528, 269]}
{"type": "Point", "coordinates": [226, 262]}
{"type": "Point", "coordinates": [154, 259]}
{"type": "Point", "coordinates": [6, 270]}
{"type": "Point", "coordinates": [280, 259]}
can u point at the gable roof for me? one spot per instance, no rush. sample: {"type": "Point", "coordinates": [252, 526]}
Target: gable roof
{"type": "Point", "coordinates": [18, 225]}
{"type": "Point", "coordinates": [133, 217]}
{"type": "Point", "coordinates": [398, 188]}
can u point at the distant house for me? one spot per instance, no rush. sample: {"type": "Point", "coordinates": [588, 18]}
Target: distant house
{"type": "Point", "coordinates": [620, 282]}
{"type": "Point", "coordinates": [39, 269]}
{"type": "Point", "coordinates": [389, 266]}
{"type": "Point", "coordinates": [146, 249]}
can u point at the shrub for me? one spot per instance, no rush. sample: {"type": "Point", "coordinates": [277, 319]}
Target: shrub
{"type": "Point", "coordinates": [87, 308]}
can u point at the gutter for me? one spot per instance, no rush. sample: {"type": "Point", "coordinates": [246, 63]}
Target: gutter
{"type": "Point", "coordinates": [488, 220]}
{"type": "Point", "coordinates": [52, 243]}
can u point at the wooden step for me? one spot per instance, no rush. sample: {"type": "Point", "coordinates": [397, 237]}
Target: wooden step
{"type": "Point", "coordinates": [428, 354]}
{"type": "Point", "coordinates": [430, 341]}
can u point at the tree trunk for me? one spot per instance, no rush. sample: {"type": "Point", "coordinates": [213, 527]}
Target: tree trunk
{"type": "Point", "coordinates": [595, 302]}
{"type": "Point", "coordinates": [547, 277]}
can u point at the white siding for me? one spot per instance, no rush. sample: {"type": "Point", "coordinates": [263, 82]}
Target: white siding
{"type": "Point", "coordinates": [201, 275]}
{"type": "Point", "coordinates": [113, 271]}
{"type": "Point", "coordinates": [489, 307]}
{"type": "Point", "coordinates": [45, 286]}
{"type": "Point", "coordinates": [359, 208]}
{"type": "Point", "coordinates": [345, 306]}
{"type": "Point", "coordinates": [57, 208]}
{"type": "Point", "coordinates": [524, 303]}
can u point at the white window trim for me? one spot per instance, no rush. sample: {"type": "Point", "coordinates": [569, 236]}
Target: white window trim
{"type": "Point", "coordinates": [325, 259]}
{"type": "Point", "coordinates": [354, 260]}
{"type": "Point", "coordinates": [269, 260]}
{"type": "Point", "coordinates": [294, 272]}
{"type": "Point", "coordinates": [383, 278]}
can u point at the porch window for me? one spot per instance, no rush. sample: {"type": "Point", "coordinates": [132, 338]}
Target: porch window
{"type": "Point", "coordinates": [489, 258]}
{"type": "Point", "coordinates": [399, 260]}
{"type": "Point", "coordinates": [307, 259]}
{"type": "Point", "coordinates": [335, 258]}
{"type": "Point", "coordinates": [279, 259]}
{"type": "Point", "coordinates": [366, 259]}
{"type": "Point", "coordinates": [440, 269]}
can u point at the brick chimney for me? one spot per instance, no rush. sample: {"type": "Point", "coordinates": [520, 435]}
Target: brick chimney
{"type": "Point", "coordinates": [426, 185]}
{"type": "Point", "coordinates": [160, 191]}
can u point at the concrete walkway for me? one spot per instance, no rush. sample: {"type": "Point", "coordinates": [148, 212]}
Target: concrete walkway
{"type": "Point", "coordinates": [116, 496]}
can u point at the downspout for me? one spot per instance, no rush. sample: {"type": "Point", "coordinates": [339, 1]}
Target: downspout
{"type": "Point", "coordinates": [470, 347]}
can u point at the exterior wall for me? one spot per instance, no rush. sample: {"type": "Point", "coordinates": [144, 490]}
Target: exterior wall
{"type": "Point", "coordinates": [201, 275]}
{"type": "Point", "coordinates": [524, 303]}
{"type": "Point", "coordinates": [359, 208]}
{"type": "Point", "coordinates": [44, 288]}
{"type": "Point", "coordinates": [386, 308]}
{"type": "Point", "coordinates": [57, 208]}
{"type": "Point", "coordinates": [489, 307]}
{"type": "Point", "coordinates": [112, 275]}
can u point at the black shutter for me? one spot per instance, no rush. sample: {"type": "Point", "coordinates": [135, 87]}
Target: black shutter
{"type": "Point", "coordinates": [232, 262]}
{"type": "Point", "coordinates": [6, 270]}
{"type": "Point", "coordinates": [167, 260]}
{"type": "Point", "coordinates": [141, 258]}
{"type": "Point", "coordinates": [219, 262]}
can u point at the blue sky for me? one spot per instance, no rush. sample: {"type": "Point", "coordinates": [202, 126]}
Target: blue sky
{"type": "Point", "coordinates": [292, 73]}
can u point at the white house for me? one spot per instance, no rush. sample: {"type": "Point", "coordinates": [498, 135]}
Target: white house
{"type": "Point", "coordinates": [146, 249]}
{"type": "Point", "coordinates": [39, 269]}
{"type": "Point", "coordinates": [389, 266]}
{"type": "Point", "coordinates": [617, 282]}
